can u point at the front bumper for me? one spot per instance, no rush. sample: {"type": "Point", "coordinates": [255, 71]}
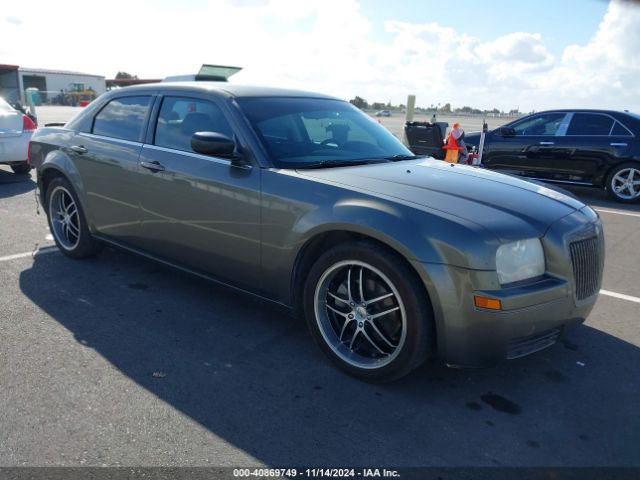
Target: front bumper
{"type": "Point", "coordinates": [533, 316]}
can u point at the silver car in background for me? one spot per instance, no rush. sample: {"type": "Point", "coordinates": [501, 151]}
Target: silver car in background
{"type": "Point", "coordinates": [16, 130]}
{"type": "Point", "coordinates": [303, 200]}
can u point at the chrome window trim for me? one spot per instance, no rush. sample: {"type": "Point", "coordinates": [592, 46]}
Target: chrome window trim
{"type": "Point", "coordinates": [114, 139]}
{"type": "Point", "coordinates": [629, 132]}
{"type": "Point", "coordinates": [199, 156]}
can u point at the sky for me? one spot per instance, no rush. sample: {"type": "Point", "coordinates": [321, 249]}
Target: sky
{"type": "Point", "coordinates": [530, 55]}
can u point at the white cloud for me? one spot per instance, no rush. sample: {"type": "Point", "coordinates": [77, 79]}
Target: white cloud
{"type": "Point", "coordinates": [329, 46]}
{"type": "Point", "coordinates": [13, 20]}
{"type": "Point", "coordinates": [605, 71]}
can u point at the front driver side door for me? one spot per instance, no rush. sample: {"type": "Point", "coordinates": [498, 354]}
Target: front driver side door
{"type": "Point", "coordinates": [199, 211]}
{"type": "Point", "coordinates": [530, 150]}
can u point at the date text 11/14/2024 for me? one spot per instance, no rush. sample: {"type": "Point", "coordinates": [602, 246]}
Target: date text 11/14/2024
{"type": "Point", "coordinates": [315, 473]}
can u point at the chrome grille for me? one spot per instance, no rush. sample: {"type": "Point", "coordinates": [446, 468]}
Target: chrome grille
{"type": "Point", "coordinates": [586, 266]}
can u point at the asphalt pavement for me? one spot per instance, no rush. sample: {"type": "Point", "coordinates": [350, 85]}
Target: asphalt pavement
{"type": "Point", "coordinates": [120, 361]}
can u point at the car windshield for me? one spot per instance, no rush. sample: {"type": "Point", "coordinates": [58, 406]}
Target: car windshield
{"type": "Point", "coordinates": [319, 133]}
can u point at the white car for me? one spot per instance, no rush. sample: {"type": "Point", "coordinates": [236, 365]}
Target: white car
{"type": "Point", "coordinates": [15, 133]}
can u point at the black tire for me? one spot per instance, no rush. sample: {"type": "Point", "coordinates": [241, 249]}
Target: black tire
{"type": "Point", "coordinates": [368, 357]}
{"type": "Point", "coordinates": [80, 245]}
{"type": "Point", "coordinates": [624, 196]}
{"type": "Point", "coordinates": [21, 168]}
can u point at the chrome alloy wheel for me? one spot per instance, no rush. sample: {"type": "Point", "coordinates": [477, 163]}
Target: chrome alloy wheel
{"type": "Point", "coordinates": [626, 183]}
{"type": "Point", "coordinates": [65, 220]}
{"type": "Point", "coordinates": [360, 314]}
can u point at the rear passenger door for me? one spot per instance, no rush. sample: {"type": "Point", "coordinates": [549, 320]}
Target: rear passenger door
{"type": "Point", "coordinates": [106, 156]}
{"type": "Point", "coordinates": [197, 210]}
{"type": "Point", "coordinates": [594, 142]}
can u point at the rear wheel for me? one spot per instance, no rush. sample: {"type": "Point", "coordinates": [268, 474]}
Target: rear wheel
{"type": "Point", "coordinates": [21, 168]}
{"type": "Point", "coordinates": [67, 222]}
{"type": "Point", "coordinates": [367, 311]}
{"type": "Point", "coordinates": [623, 183]}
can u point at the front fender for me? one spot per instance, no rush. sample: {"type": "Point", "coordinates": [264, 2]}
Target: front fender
{"type": "Point", "coordinates": [311, 209]}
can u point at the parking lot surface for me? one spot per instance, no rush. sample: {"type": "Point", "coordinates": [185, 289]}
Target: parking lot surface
{"type": "Point", "coordinates": [120, 361]}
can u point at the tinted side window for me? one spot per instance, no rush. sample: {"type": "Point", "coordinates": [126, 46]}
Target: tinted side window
{"type": "Point", "coordinates": [181, 117]}
{"type": "Point", "coordinates": [590, 124]}
{"type": "Point", "coordinates": [543, 124]}
{"type": "Point", "coordinates": [619, 130]}
{"type": "Point", "coordinates": [122, 118]}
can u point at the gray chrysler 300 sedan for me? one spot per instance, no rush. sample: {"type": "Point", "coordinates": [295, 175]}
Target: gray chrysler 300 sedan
{"type": "Point", "coordinates": [303, 200]}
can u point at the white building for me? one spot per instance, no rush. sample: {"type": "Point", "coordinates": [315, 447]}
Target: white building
{"type": "Point", "coordinates": [51, 84]}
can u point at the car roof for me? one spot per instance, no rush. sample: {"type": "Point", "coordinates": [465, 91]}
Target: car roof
{"type": "Point", "coordinates": [227, 89]}
{"type": "Point", "coordinates": [584, 110]}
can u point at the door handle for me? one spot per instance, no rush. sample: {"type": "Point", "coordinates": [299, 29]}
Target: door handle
{"type": "Point", "coordinates": [79, 149]}
{"type": "Point", "coordinates": [153, 166]}
{"type": "Point", "coordinates": [616, 144]}
{"type": "Point", "coordinates": [546, 143]}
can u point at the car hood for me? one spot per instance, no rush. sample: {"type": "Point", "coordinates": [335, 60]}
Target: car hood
{"type": "Point", "coordinates": [509, 207]}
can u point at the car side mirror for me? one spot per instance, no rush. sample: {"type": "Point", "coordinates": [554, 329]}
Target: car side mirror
{"type": "Point", "coordinates": [507, 132]}
{"type": "Point", "coordinates": [212, 143]}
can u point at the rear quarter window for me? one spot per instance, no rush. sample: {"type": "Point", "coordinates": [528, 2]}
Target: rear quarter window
{"type": "Point", "coordinates": [620, 130]}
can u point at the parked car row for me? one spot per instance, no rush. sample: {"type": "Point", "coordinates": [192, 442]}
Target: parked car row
{"type": "Point", "coordinates": [16, 129]}
{"type": "Point", "coordinates": [303, 200]}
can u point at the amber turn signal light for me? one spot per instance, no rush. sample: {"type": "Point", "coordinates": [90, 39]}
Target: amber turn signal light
{"type": "Point", "coordinates": [485, 302]}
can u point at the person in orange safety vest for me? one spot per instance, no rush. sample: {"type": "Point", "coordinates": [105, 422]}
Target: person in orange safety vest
{"type": "Point", "coordinates": [458, 135]}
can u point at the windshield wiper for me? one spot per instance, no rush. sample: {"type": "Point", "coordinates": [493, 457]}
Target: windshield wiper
{"type": "Point", "coordinates": [343, 163]}
{"type": "Point", "coordinates": [404, 157]}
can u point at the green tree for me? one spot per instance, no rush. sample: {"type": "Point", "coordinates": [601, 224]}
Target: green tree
{"type": "Point", "coordinates": [359, 102]}
{"type": "Point", "coordinates": [125, 76]}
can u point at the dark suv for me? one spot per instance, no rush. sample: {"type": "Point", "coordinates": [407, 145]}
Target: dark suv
{"type": "Point", "coordinates": [596, 148]}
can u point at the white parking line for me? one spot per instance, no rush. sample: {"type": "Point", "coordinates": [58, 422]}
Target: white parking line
{"type": "Point", "coordinates": [621, 296]}
{"type": "Point", "coordinates": [617, 212]}
{"type": "Point", "coordinates": [40, 251]}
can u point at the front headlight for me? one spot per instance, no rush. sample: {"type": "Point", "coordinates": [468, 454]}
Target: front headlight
{"type": "Point", "coordinates": [520, 260]}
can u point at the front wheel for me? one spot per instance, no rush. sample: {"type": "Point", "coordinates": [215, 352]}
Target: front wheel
{"type": "Point", "coordinates": [623, 183]}
{"type": "Point", "coordinates": [368, 312]}
{"type": "Point", "coordinates": [67, 221]}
